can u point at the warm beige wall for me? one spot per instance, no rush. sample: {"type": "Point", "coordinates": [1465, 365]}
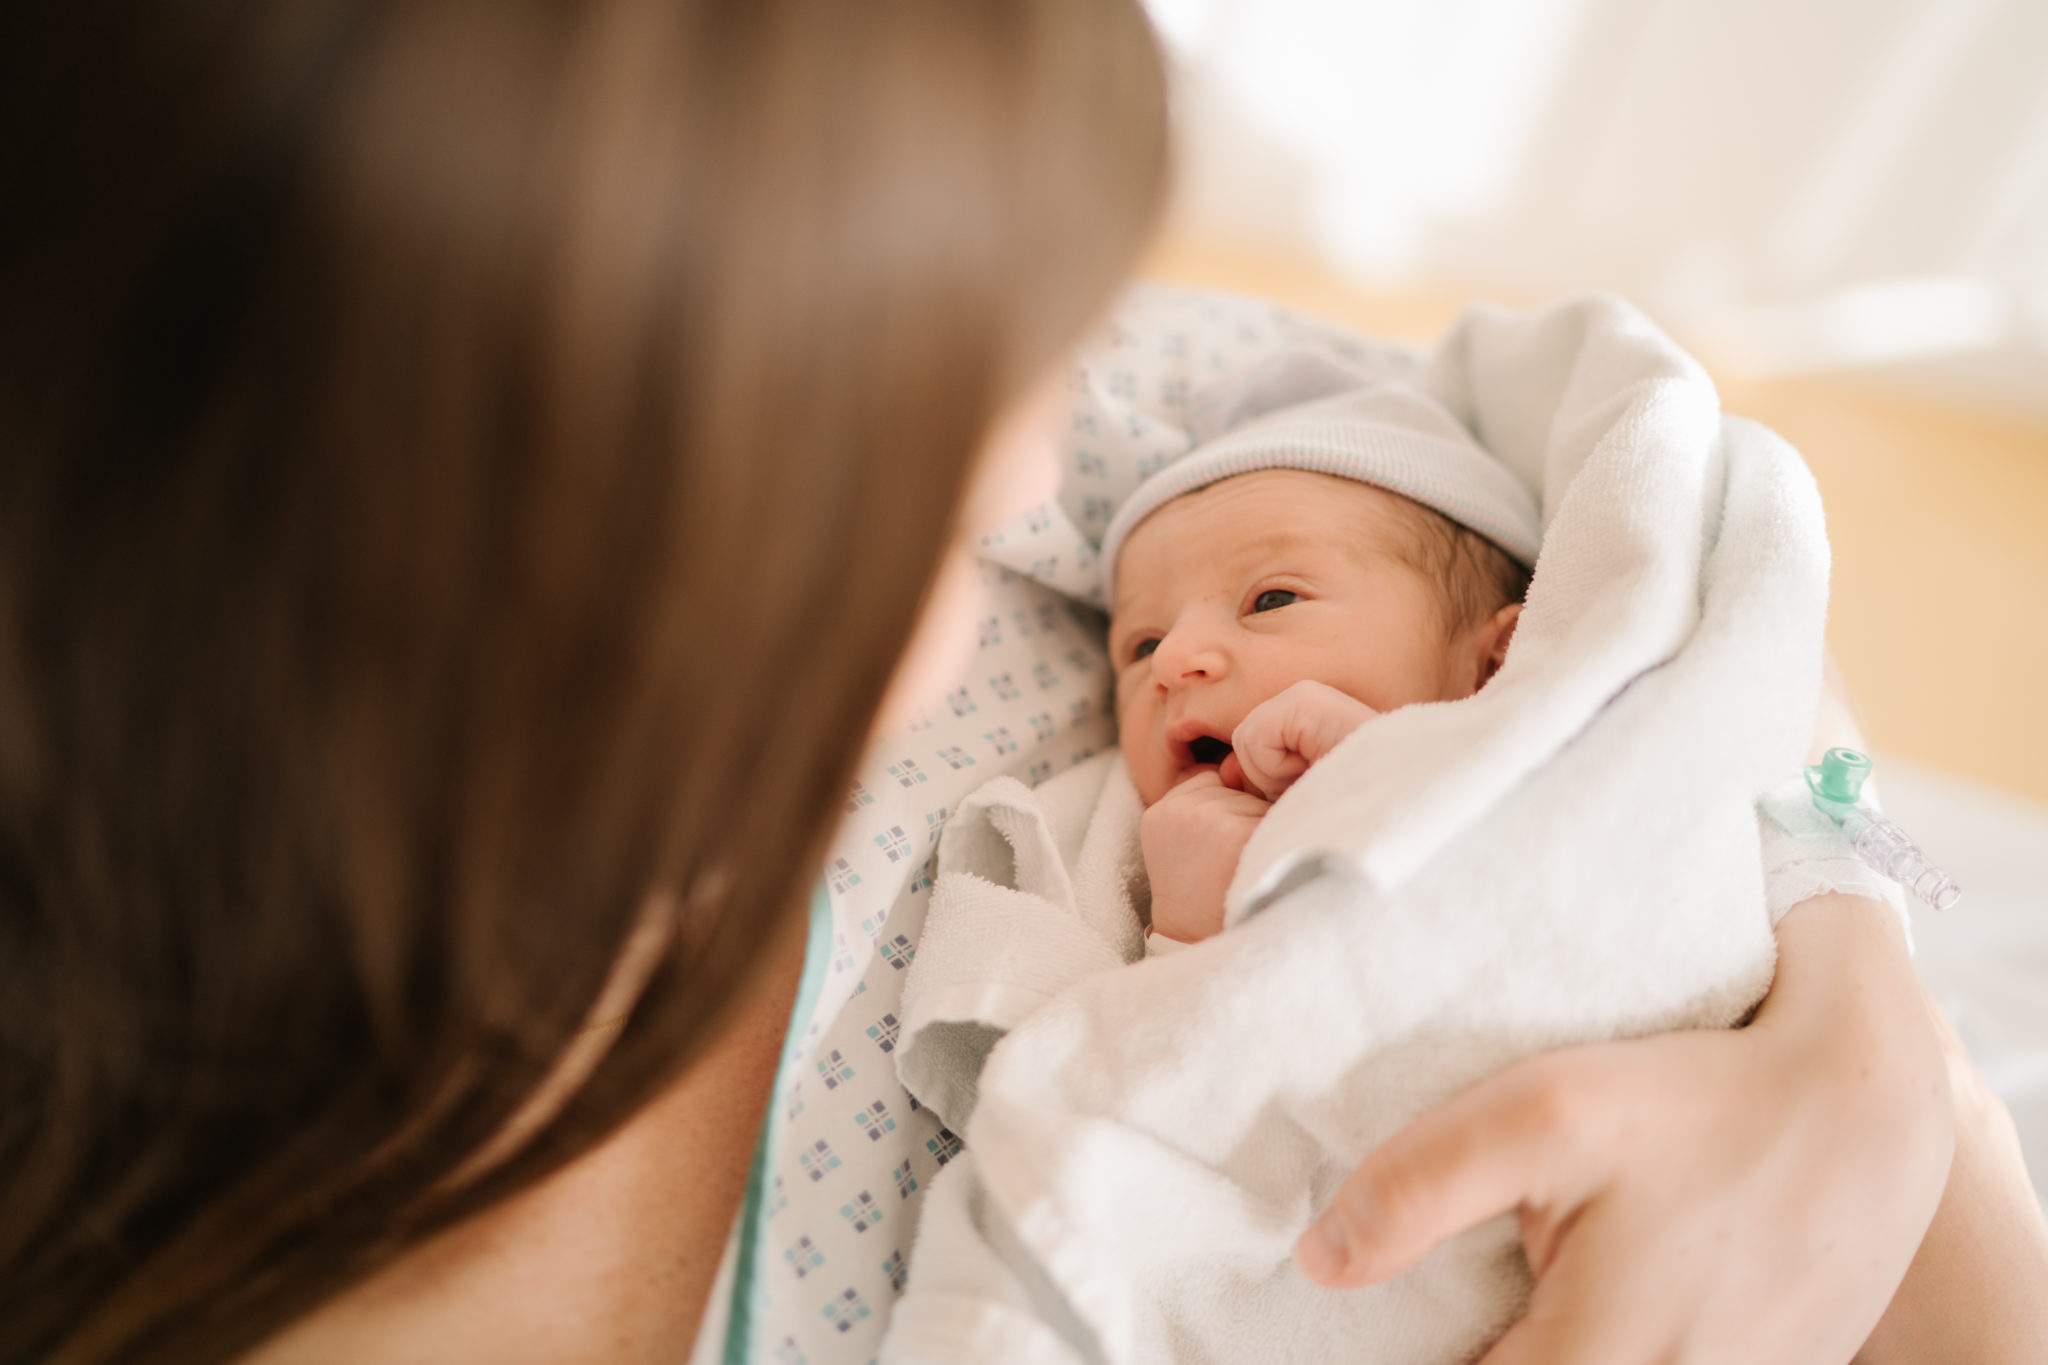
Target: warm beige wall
{"type": "Point", "coordinates": [1939, 519]}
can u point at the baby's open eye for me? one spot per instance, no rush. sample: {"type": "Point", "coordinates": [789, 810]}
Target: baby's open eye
{"type": "Point", "coordinates": [1274, 598]}
{"type": "Point", "coordinates": [1143, 649]}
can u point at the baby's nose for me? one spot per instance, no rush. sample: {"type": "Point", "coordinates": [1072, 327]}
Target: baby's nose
{"type": "Point", "coordinates": [1187, 654]}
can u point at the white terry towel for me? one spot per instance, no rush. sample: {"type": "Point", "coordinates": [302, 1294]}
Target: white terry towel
{"type": "Point", "coordinates": [1037, 890]}
{"type": "Point", "coordinates": [1570, 855]}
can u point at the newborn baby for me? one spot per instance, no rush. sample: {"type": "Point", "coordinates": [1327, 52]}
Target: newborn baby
{"type": "Point", "coordinates": [1307, 566]}
{"type": "Point", "coordinates": [1500, 864]}
{"type": "Point", "coordinates": [1259, 621]}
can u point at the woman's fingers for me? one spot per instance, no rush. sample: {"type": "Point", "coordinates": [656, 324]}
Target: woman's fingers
{"type": "Point", "coordinates": [1697, 1195]}
{"type": "Point", "coordinates": [1518, 1140]}
{"type": "Point", "coordinates": [1568, 1320]}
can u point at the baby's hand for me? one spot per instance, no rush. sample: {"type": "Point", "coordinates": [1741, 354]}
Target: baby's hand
{"type": "Point", "coordinates": [1282, 736]}
{"type": "Point", "coordinates": [1192, 837]}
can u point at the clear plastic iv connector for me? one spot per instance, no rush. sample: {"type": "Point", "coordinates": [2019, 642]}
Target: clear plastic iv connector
{"type": "Point", "coordinates": [1837, 784]}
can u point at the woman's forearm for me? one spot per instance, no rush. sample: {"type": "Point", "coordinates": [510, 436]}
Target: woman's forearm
{"type": "Point", "coordinates": [1978, 1287]}
{"type": "Point", "coordinates": [1847, 995]}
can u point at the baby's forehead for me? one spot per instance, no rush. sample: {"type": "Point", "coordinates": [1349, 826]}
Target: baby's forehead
{"type": "Point", "coordinates": [1256, 515]}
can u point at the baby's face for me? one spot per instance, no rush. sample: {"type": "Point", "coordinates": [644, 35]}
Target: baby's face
{"type": "Point", "coordinates": [1235, 592]}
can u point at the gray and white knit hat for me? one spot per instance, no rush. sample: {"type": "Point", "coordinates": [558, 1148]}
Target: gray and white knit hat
{"type": "Point", "coordinates": [1307, 410]}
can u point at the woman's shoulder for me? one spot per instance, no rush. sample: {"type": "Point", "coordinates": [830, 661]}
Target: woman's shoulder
{"type": "Point", "coordinates": [611, 1258]}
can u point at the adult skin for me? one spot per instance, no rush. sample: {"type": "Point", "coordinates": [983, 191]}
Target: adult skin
{"type": "Point", "coordinates": [1641, 1172]}
{"type": "Point", "coordinates": [612, 1258]}
{"type": "Point", "coordinates": [1639, 1260]}
{"type": "Point", "coordinates": [1978, 1287]}
{"type": "Point", "coordinates": [403, 402]}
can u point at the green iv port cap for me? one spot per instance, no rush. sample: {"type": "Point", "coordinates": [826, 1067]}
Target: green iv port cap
{"type": "Point", "coordinates": [1840, 776]}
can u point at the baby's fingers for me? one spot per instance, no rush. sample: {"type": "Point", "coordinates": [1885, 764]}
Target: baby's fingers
{"type": "Point", "coordinates": [1260, 751]}
{"type": "Point", "coordinates": [1284, 736]}
{"type": "Point", "coordinates": [1193, 782]}
{"type": "Point", "coordinates": [1266, 770]}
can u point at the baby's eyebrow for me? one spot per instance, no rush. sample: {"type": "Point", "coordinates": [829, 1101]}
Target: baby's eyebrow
{"type": "Point", "coordinates": [1277, 541]}
{"type": "Point", "coordinates": [1124, 608]}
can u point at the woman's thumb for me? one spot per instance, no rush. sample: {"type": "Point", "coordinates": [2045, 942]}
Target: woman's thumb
{"type": "Point", "coordinates": [1501, 1144]}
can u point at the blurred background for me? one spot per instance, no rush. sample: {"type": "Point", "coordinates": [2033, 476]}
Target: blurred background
{"type": "Point", "coordinates": [1841, 207]}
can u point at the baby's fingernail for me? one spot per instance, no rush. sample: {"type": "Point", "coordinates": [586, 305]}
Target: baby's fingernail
{"type": "Point", "coordinates": [1323, 1250]}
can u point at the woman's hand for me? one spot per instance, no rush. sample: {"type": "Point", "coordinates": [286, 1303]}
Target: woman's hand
{"type": "Point", "coordinates": [1753, 1194]}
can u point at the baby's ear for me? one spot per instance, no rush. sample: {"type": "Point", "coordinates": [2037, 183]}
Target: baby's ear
{"type": "Point", "coordinates": [1490, 643]}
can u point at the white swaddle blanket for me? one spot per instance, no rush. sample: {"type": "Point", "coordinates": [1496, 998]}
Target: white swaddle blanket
{"type": "Point", "coordinates": [1569, 855]}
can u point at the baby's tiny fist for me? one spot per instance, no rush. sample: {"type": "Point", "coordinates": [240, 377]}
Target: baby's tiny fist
{"type": "Point", "coordinates": [1192, 838]}
{"type": "Point", "coordinates": [1284, 736]}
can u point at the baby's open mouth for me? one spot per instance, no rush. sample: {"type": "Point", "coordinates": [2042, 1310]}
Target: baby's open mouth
{"type": "Point", "coordinates": [1208, 749]}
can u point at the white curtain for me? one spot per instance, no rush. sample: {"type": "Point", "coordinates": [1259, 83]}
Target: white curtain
{"type": "Point", "coordinates": [1800, 184]}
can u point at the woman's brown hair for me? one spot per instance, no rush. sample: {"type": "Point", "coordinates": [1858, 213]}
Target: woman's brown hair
{"type": "Point", "coordinates": [465, 465]}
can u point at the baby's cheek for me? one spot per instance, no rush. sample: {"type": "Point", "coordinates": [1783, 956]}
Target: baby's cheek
{"type": "Point", "coordinates": [1144, 767]}
{"type": "Point", "coordinates": [1145, 756]}
{"type": "Point", "coordinates": [1132, 719]}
